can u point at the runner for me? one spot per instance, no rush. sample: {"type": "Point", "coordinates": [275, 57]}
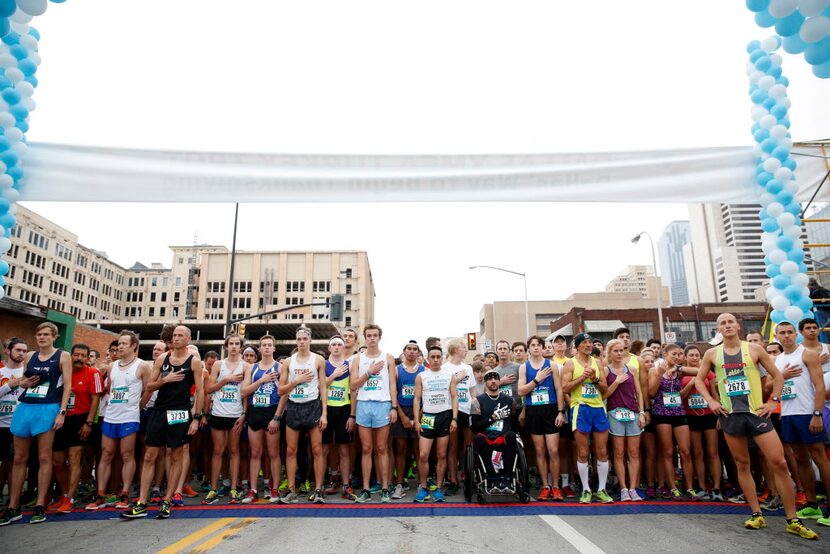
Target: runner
{"type": "Point", "coordinates": [265, 408]}
{"type": "Point", "coordinates": [303, 379]}
{"type": "Point", "coordinates": [702, 426]}
{"type": "Point", "coordinates": [635, 362]}
{"type": "Point", "coordinates": [567, 460]}
{"type": "Point", "coordinates": [71, 438]}
{"type": "Point", "coordinates": [810, 332]}
{"type": "Point", "coordinates": [173, 420]}
{"type": "Point", "coordinates": [626, 417]}
{"type": "Point", "coordinates": [582, 378]}
{"type": "Point", "coordinates": [435, 414]}
{"type": "Point", "coordinates": [11, 381]}
{"type": "Point", "coordinates": [372, 377]}
{"type": "Point", "coordinates": [509, 371]}
{"type": "Point", "coordinates": [741, 415]}
{"type": "Point", "coordinates": [541, 386]}
{"type": "Point", "coordinates": [40, 412]}
{"type": "Point", "coordinates": [465, 386]}
{"type": "Point", "coordinates": [341, 417]}
{"type": "Point", "coordinates": [802, 399]}
{"type": "Point", "coordinates": [227, 416]}
{"type": "Point", "coordinates": [669, 416]}
{"type": "Point", "coordinates": [491, 416]}
{"type": "Point", "coordinates": [404, 430]}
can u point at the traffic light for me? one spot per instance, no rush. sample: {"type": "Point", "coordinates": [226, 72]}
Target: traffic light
{"type": "Point", "coordinates": [241, 330]}
{"type": "Point", "coordinates": [471, 342]}
{"type": "Point", "coordinates": [336, 307]}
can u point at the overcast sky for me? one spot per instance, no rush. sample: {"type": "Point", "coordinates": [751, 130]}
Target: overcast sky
{"type": "Point", "coordinates": [392, 77]}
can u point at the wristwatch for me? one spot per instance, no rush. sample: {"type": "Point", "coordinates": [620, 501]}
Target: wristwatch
{"type": "Point", "coordinates": [816, 413]}
{"type": "Point", "coordinates": [62, 412]}
{"type": "Point", "coordinates": [774, 398]}
{"type": "Point", "coordinates": [88, 424]}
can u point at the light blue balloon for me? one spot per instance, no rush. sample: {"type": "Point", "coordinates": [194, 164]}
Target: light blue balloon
{"type": "Point", "coordinates": [760, 135]}
{"type": "Point", "coordinates": [23, 126]}
{"type": "Point", "coordinates": [822, 71]}
{"type": "Point", "coordinates": [793, 292]}
{"type": "Point", "coordinates": [757, 6]}
{"type": "Point", "coordinates": [818, 52]}
{"type": "Point", "coordinates": [32, 80]}
{"type": "Point", "coordinates": [785, 121]}
{"type": "Point", "coordinates": [764, 19]}
{"type": "Point", "coordinates": [785, 243]}
{"type": "Point", "coordinates": [11, 96]}
{"type": "Point", "coordinates": [769, 225]}
{"type": "Point", "coordinates": [778, 110]}
{"type": "Point", "coordinates": [777, 316]}
{"type": "Point", "coordinates": [774, 186]}
{"type": "Point", "coordinates": [793, 208]}
{"type": "Point", "coordinates": [805, 303]}
{"type": "Point", "coordinates": [763, 214]}
{"type": "Point", "coordinates": [775, 71]}
{"type": "Point", "coordinates": [754, 127]}
{"type": "Point", "coordinates": [769, 145]}
{"type": "Point", "coordinates": [18, 51]}
{"type": "Point", "coordinates": [11, 38]}
{"type": "Point", "coordinates": [789, 25]}
{"type": "Point", "coordinates": [27, 66]}
{"type": "Point", "coordinates": [34, 32]}
{"type": "Point", "coordinates": [756, 54]}
{"type": "Point", "coordinates": [4, 267]}
{"type": "Point", "coordinates": [758, 96]}
{"type": "Point", "coordinates": [5, 26]}
{"type": "Point", "coordinates": [780, 282]}
{"type": "Point", "coordinates": [8, 7]}
{"type": "Point", "coordinates": [769, 103]}
{"type": "Point", "coordinates": [763, 63]}
{"type": "Point", "coordinates": [783, 81]}
{"type": "Point", "coordinates": [764, 178]}
{"type": "Point", "coordinates": [19, 111]}
{"type": "Point", "coordinates": [15, 173]}
{"type": "Point", "coordinates": [7, 220]}
{"type": "Point", "coordinates": [790, 163]}
{"type": "Point", "coordinates": [802, 267]}
{"type": "Point", "coordinates": [773, 270]}
{"type": "Point", "coordinates": [780, 153]}
{"type": "Point", "coordinates": [795, 255]}
{"type": "Point", "coordinates": [784, 197]}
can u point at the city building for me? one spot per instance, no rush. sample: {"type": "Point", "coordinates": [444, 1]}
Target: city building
{"type": "Point", "coordinates": [49, 267]}
{"type": "Point", "coordinates": [672, 262]}
{"type": "Point", "coordinates": [818, 232]}
{"type": "Point", "coordinates": [636, 278]}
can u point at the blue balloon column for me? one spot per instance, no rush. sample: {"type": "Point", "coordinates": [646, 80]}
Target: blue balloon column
{"type": "Point", "coordinates": [775, 174]}
{"type": "Point", "coordinates": [804, 26]}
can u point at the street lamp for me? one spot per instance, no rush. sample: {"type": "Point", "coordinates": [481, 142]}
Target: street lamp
{"type": "Point", "coordinates": [524, 277]}
{"type": "Point", "coordinates": [635, 240]}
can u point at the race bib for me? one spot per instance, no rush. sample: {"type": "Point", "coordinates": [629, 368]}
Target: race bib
{"type": "Point", "coordinates": [7, 407]}
{"type": "Point", "coordinates": [118, 395]}
{"type": "Point", "coordinates": [175, 417]}
{"type": "Point", "coordinates": [540, 397]}
{"type": "Point", "coordinates": [229, 393]}
{"type": "Point", "coordinates": [336, 394]}
{"type": "Point", "coordinates": [624, 414]}
{"type": "Point", "coordinates": [408, 391]}
{"type": "Point", "coordinates": [788, 392]}
{"type": "Point", "coordinates": [373, 383]}
{"type": "Point", "coordinates": [737, 386]}
{"type": "Point", "coordinates": [497, 425]}
{"type": "Point", "coordinates": [71, 404]}
{"type": "Point", "coordinates": [697, 402]}
{"type": "Point", "coordinates": [671, 399]}
{"type": "Point", "coordinates": [262, 400]}
{"type": "Point", "coordinates": [301, 392]}
{"type": "Point", "coordinates": [39, 391]}
{"type": "Point", "coordinates": [589, 390]}
{"type": "Point", "coordinates": [463, 396]}
{"type": "Point", "coordinates": [506, 390]}
{"type": "Point", "coordinates": [427, 421]}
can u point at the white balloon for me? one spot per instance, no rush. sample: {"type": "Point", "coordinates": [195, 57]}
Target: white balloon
{"type": "Point", "coordinates": [793, 314]}
{"type": "Point", "coordinates": [13, 209]}
{"type": "Point", "coordinates": [19, 28]}
{"type": "Point", "coordinates": [786, 102]}
{"type": "Point", "coordinates": [778, 256]}
{"type": "Point", "coordinates": [20, 16]}
{"type": "Point", "coordinates": [767, 122]}
{"type": "Point", "coordinates": [2, 168]}
{"type": "Point", "coordinates": [5, 244]}
{"type": "Point", "coordinates": [770, 44]}
{"type": "Point", "coordinates": [33, 7]}
{"type": "Point", "coordinates": [778, 132]}
{"type": "Point", "coordinates": [12, 195]}
{"type": "Point", "coordinates": [29, 103]}
{"type": "Point", "coordinates": [812, 8]}
{"type": "Point", "coordinates": [755, 76]}
{"type": "Point", "coordinates": [6, 120]}
{"type": "Point", "coordinates": [805, 292]}
{"type": "Point", "coordinates": [29, 42]}
{"type": "Point", "coordinates": [799, 280]}
{"type": "Point", "coordinates": [776, 60]}
{"type": "Point", "coordinates": [4, 107]}
{"type": "Point", "coordinates": [793, 231]}
{"type": "Point", "coordinates": [16, 76]}
{"type": "Point", "coordinates": [7, 60]}
{"type": "Point", "coordinates": [798, 244]}
{"type": "Point", "coordinates": [783, 174]}
{"type": "Point", "coordinates": [6, 181]}
{"type": "Point", "coordinates": [815, 29]}
{"type": "Point", "coordinates": [791, 186]}
{"type": "Point", "coordinates": [756, 150]}
{"type": "Point", "coordinates": [14, 134]}
{"type": "Point", "coordinates": [766, 82]}
{"type": "Point", "coordinates": [786, 142]}
{"type": "Point", "coordinates": [35, 57]}
{"type": "Point", "coordinates": [772, 164]}
{"type": "Point", "coordinates": [2, 293]}
{"type": "Point", "coordinates": [26, 89]}
{"type": "Point", "coordinates": [21, 148]}
{"type": "Point", "coordinates": [789, 268]}
{"type": "Point", "coordinates": [779, 302]}
{"type": "Point", "coordinates": [778, 91]}
{"type": "Point", "coordinates": [786, 220]}
{"type": "Point", "coordinates": [757, 111]}
{"type": "Point", "coordinates": [767, 199]}
{"type": "Point", "coordinates": [780, 9]}
{"type": "Point", "coordinates": [772, 292]}
{"type": "Point", "coordinates": [775, 209]}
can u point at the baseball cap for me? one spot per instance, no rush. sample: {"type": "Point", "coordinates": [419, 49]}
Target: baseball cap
{"type": "Point", "coordinates": [491, 373]}
{"type": "Point", "coordinates": [581, 337]}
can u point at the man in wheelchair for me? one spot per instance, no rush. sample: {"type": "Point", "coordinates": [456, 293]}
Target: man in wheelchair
{"type": "Point", "coordinates": [495, 443]}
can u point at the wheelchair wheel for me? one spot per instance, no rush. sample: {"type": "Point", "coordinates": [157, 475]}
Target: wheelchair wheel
{"type": "Point", "coordinates": [469, 474]}
{"type": "Point", "coordinates": [522, 477]}
{"type": "Point", "coordinates": [480, 498]}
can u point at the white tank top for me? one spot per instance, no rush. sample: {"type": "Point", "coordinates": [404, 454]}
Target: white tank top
{"type": "Point", "coordinates": [435, 390]}
{"type": "Point", "coordinates": [126, 388]}
{"type": "Point", "coordinates": [227, 401]}
{"type": "Point", "coordinates": [798, 396]}
{"type": "Point", "coordinates": [825, 367]}
{"type": "Point", "coordinates": [304, 392]}
{"type": "Point", "coordinates": [464, 384]}
{"type": "Point", "coordinates": [376, 387]}
{"type": "Point", "coordinates": [8, 402]}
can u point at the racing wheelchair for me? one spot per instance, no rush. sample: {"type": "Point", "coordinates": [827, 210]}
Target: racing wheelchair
{"type": "Point", "coordinates": [512, 481]}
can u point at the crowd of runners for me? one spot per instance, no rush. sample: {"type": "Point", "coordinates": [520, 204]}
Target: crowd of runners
{"type": "Point", "coordinates": [743, 421]}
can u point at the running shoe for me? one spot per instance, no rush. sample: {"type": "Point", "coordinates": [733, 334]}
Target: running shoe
{"type": "Point", "coordinates": [544, 494]}
{"type": "Point", "coordinates": [385, 497]}
{"type": "Point", "coordinates": [177, 500]}
{"type": "Point", "coordinates": [676, 495]}
{"type": "Point", "coordinates": [275, 496]}
{"type": "Point", "coordinates": [664, 492]}
{"type": "Point", "coordinates": [411, 472]}
{"type": "Point", "coordinates": [437, 496]}
{"type": "Point", "coordinates": [651, 492]}
{"type": "Point", "coordinates": [568, 492]}
{"type": "Point", "coordinates": [634, 496]}
{"type": "Point", "coordinates": [586, 497]}
{"type": "Point", "coordinates": [398, 493]}
{"type": "Point", "coordinates": [800, 498]}
{"type": "Point", "coordinates": [53, 507]}
{"type": "Point", "coordinates": [10, 516]}
{"type": "Point", "coordinates": [205, 487]}
{"type": "Point", "coordinates": [65, 507]}
{"type": "Point", "coordinates": [30, 505]}
{"type": "Point", "coordinates": [266, 493]}
{"type": "Point", "coordinates": [809, 512]}
{"type": "Point", "coordinates": [164, 510]}
{"type": "Point", "coordinates": [624, 497]}
{"type": "Point", "coordinates": [772, 504]}
{"type": "Point", "coordinates": [738, 499]}
{"type": "Point", "coordinates": [188, 491]}
{"type": "Point", "coordinates": [364, 496]}
{"type": "Point", "coordinates": [603, 497]}
{"type": "Point", "coordinates": [431, 485]}
{"type": "Point", "coordinates": [97, 503]}
{"type": "Point", "coordinates": [406, 486]}
{"type": "Point", "coordinates": [333, 487]}
{"type": "Point", "coordinates": [136, 511]}
{"type": "Point", "coordinates": [223, 490]}
{"type": "Point", "coordinates": [423, 495]}
{"type": "Point", "coordinates": [123, 502]}
{"type": "Point", "coordinates": [211, 497]}
{"type": "Point", "coordinates": [284, 485]}
{"type": "Point", "coordinates": [347, 493]}
{"type": "Point", "coordinates": [556, 495]}
{"type": "Point", "coordinates": [795, 527]}
{"type": "Point", "coordinates": [763, 494]}
{"type": "Point", "coordinates": [756, 521]}
{"type": "Point", "coordinates": [693, 496]}
{"type": "Point", "coordinates": [317, 497]}
{"type": "Point", "coordinates": [450, 488]}
{"type": "Point", "coordinates": [235, 497]}
{"type": "Point", "coordinates": [704, 496]}
{"type": "Point", "coordinates": [305, 487]}
{"type": "Point", "coordinates": [717, 496]}
{"type": "Point", "coordinates": [250, 497]}
{"type": "Point", "coordinates": [821, 521]}
{"type": "Point", "coordinates": [38, 515]}
{"type": "Point", "coordinates": [155, 498]}
{"type": "Point", "coordinates": [290, 498]}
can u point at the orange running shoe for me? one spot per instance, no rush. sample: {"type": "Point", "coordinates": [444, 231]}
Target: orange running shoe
{"type": "Point", "coordinates": [188, 491]}
{"type": "Point", "coordinates": [65, 506]}
{"type": "Point", "coordinates": [763, 495]}
{"type": "Point", "coordinates": [53, 507]}
{"type": "Point", "coordinates": [544, 495]}
{"type": "Point", "coordinates": [800, 498]}
{"type": "Point", "coordinates": [556, 495]}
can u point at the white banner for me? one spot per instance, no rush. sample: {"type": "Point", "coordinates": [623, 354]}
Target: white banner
{"type": "Point", "coordinates": [56, 172]}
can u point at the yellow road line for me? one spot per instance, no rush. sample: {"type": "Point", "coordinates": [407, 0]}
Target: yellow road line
{"type": "Point", "coordinates": [216, 539]}
{"type": "Point", "coordinates": [197, 536]}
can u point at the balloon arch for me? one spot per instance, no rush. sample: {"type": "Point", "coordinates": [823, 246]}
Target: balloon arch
{"type": "Point", "coordinates": [801, 27]}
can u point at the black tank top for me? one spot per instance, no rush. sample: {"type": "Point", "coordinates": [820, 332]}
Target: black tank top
{"type": "Point", "coordinates": [175, 396]}
{"type": "Point", "coordinates": [489, 405]}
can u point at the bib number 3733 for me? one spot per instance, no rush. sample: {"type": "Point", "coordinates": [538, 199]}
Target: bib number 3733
{"type": "Point", "coordinates": [176, 417]}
